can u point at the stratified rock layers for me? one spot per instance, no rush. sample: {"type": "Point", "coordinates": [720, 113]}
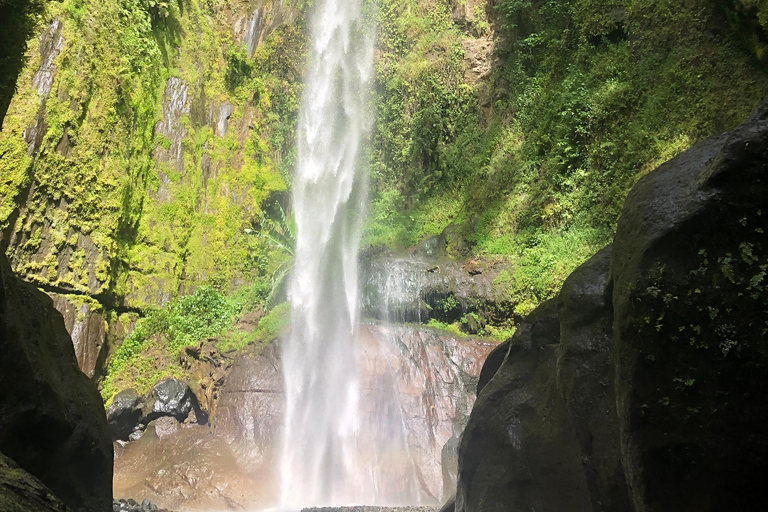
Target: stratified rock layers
{"type": "Point", "coordinates": [52, 420]}
{"type": "Point", "coordinates": [643, 386]}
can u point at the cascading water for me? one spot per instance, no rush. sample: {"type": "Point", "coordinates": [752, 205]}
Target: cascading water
{"type": "Point", "coordinates": [333, 453]}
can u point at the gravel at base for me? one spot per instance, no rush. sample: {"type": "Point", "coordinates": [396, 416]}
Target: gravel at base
{"type": "Point", "coordinates": [372, 509]}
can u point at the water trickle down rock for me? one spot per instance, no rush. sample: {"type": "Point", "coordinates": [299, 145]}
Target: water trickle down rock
{"type": "Point", "coordinates": [51, 44]}
{"type": "Point", "coordinates": [430, 286]}
{"type": "Point", "coordinates": [434, 376]}
{"type": "Point", "coordinates": [264, 19]}
{"type": "Point", "coordinates": [175, 106]}
{"type": "Point", "coordinates": [225, 111]}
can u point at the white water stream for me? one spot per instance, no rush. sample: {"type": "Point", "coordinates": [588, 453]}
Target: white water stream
{"type": "Point", "coordinates": [333, 454]}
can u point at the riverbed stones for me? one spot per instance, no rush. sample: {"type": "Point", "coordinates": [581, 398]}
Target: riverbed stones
{"type": "Point", "coordinates": [371, 509]}
{"type": "Point", "coordinates": [52, 419]}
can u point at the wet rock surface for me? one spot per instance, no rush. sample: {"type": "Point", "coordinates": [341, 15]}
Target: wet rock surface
{"type": "Point", "coordinates": [52, 419]}
{"type": "Point", "coordinates": [88, 329]}
{"type": "Point", "coordinates": [124, 413]}
{"type": "Point", "coordinates": [371, 509]}
{"type": "Point", "coordinates": [430, 284]}
{"type": "Point", "coordinates": [433, 375]}
{"type": "Point", "coordinates": [129, 414]}
{"type": "Point", "coordinates": [642, 386]}
{"type": "Point", "coordinates": [232, 463]}
{"type": "Point", "coordinates": [170, 397]}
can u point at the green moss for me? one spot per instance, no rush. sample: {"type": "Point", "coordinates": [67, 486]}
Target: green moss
{"type": "Point", "coordinates": [151, 351]}
{"type": "Point", "coordinates": [156, 228]}
{"type": "Point", "coordinates": [269, 329]}
{"type": "Point", "coordinates": [588, 96]}
{"type": "Point", "coordinates": [453, 328]}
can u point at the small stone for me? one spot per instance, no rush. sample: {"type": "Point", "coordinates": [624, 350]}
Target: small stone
{"type": "Point", "coordinates": [166, 426]}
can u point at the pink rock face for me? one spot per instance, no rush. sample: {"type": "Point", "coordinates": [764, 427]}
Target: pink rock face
{"type": "Point", "coordinates": [88, 330]}
{"type": "Point", "coordinates": [417, 381]}
{"type": "Point", "coordinates": [434, 375]}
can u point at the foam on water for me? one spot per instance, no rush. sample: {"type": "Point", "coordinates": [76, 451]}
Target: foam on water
{"type": "Point", "coordinates": [331, 453]}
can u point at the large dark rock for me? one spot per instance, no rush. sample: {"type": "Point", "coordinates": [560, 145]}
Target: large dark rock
{"type": "Point", "coordinates": [544, 433]}
{"type": "Point", "coordinates": [492, 364]}
{"type": "Point", "coordinates": [170, 397]}
{"type": "Point", "coordinates": [690, 269]}
{"type": "Point", "coordinates": [124, 413]}
{"type": "Point", "coordinates": [585, 378]}
{"type": "Point", "coordinates": [519, 450]}
{"type": "Point", "coordinates": [52, 420]}
{"type": "Point", "coordinates": [22, 492]}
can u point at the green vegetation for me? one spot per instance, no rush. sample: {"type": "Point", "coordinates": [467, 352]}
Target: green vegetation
{"type": "Point", "coordinates": [270, 328]}
{"type": "Point", "coordinates": [129, 171]}
{"type": "Point", "coordinates": [151, 352]}
{"type": "Point", "coordinates": [587, 96]}
{"type": "Point", "coordinates": [454, 327]}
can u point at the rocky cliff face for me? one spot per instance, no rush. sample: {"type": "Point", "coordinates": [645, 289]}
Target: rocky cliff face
{"type": "Point", "coordinates": [138, 150]}
{"type": "Point", "coordinates": [422, 378]}
{"type": "Point", "coordinates": [641, 388]}
{"type": "Point", "coordinates": [52, 420]}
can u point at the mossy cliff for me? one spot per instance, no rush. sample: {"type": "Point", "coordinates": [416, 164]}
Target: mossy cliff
{"type": "Point", "coordinates": [145, 138]}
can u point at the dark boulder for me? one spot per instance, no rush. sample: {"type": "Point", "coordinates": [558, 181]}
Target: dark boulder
{"type": "Point", "coordinates": [690, 268]}
{"type": "Point", "coordinates": [544, 432]}
{"type": "Point", "coordinates": [52, 419]}
{"type": "Point", "coordinates": [22, 492]}
{"type": "Point", "coordinates": [519, 450]}
{"type": "Point", "coordinates": [646, 390]}
{"type": "Point", "coordinates": [124, 413]}
{"type": "Point", "coordinates": [170, 397]}
{"type": "Point", "coordinates": [492, 365]}
{"type": "Point", "coordinates": [585, 379]}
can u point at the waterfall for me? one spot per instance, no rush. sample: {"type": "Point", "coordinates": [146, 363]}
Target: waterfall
{"type": "Point", "coordinates": [326, 457]}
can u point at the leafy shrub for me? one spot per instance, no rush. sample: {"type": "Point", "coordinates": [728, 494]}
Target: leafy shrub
{"type": "Point", "coordinates": [151, 350]}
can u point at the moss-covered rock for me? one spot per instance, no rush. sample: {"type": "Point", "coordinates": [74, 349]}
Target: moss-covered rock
{"type": "Point", "coordinates": [144, 141]}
